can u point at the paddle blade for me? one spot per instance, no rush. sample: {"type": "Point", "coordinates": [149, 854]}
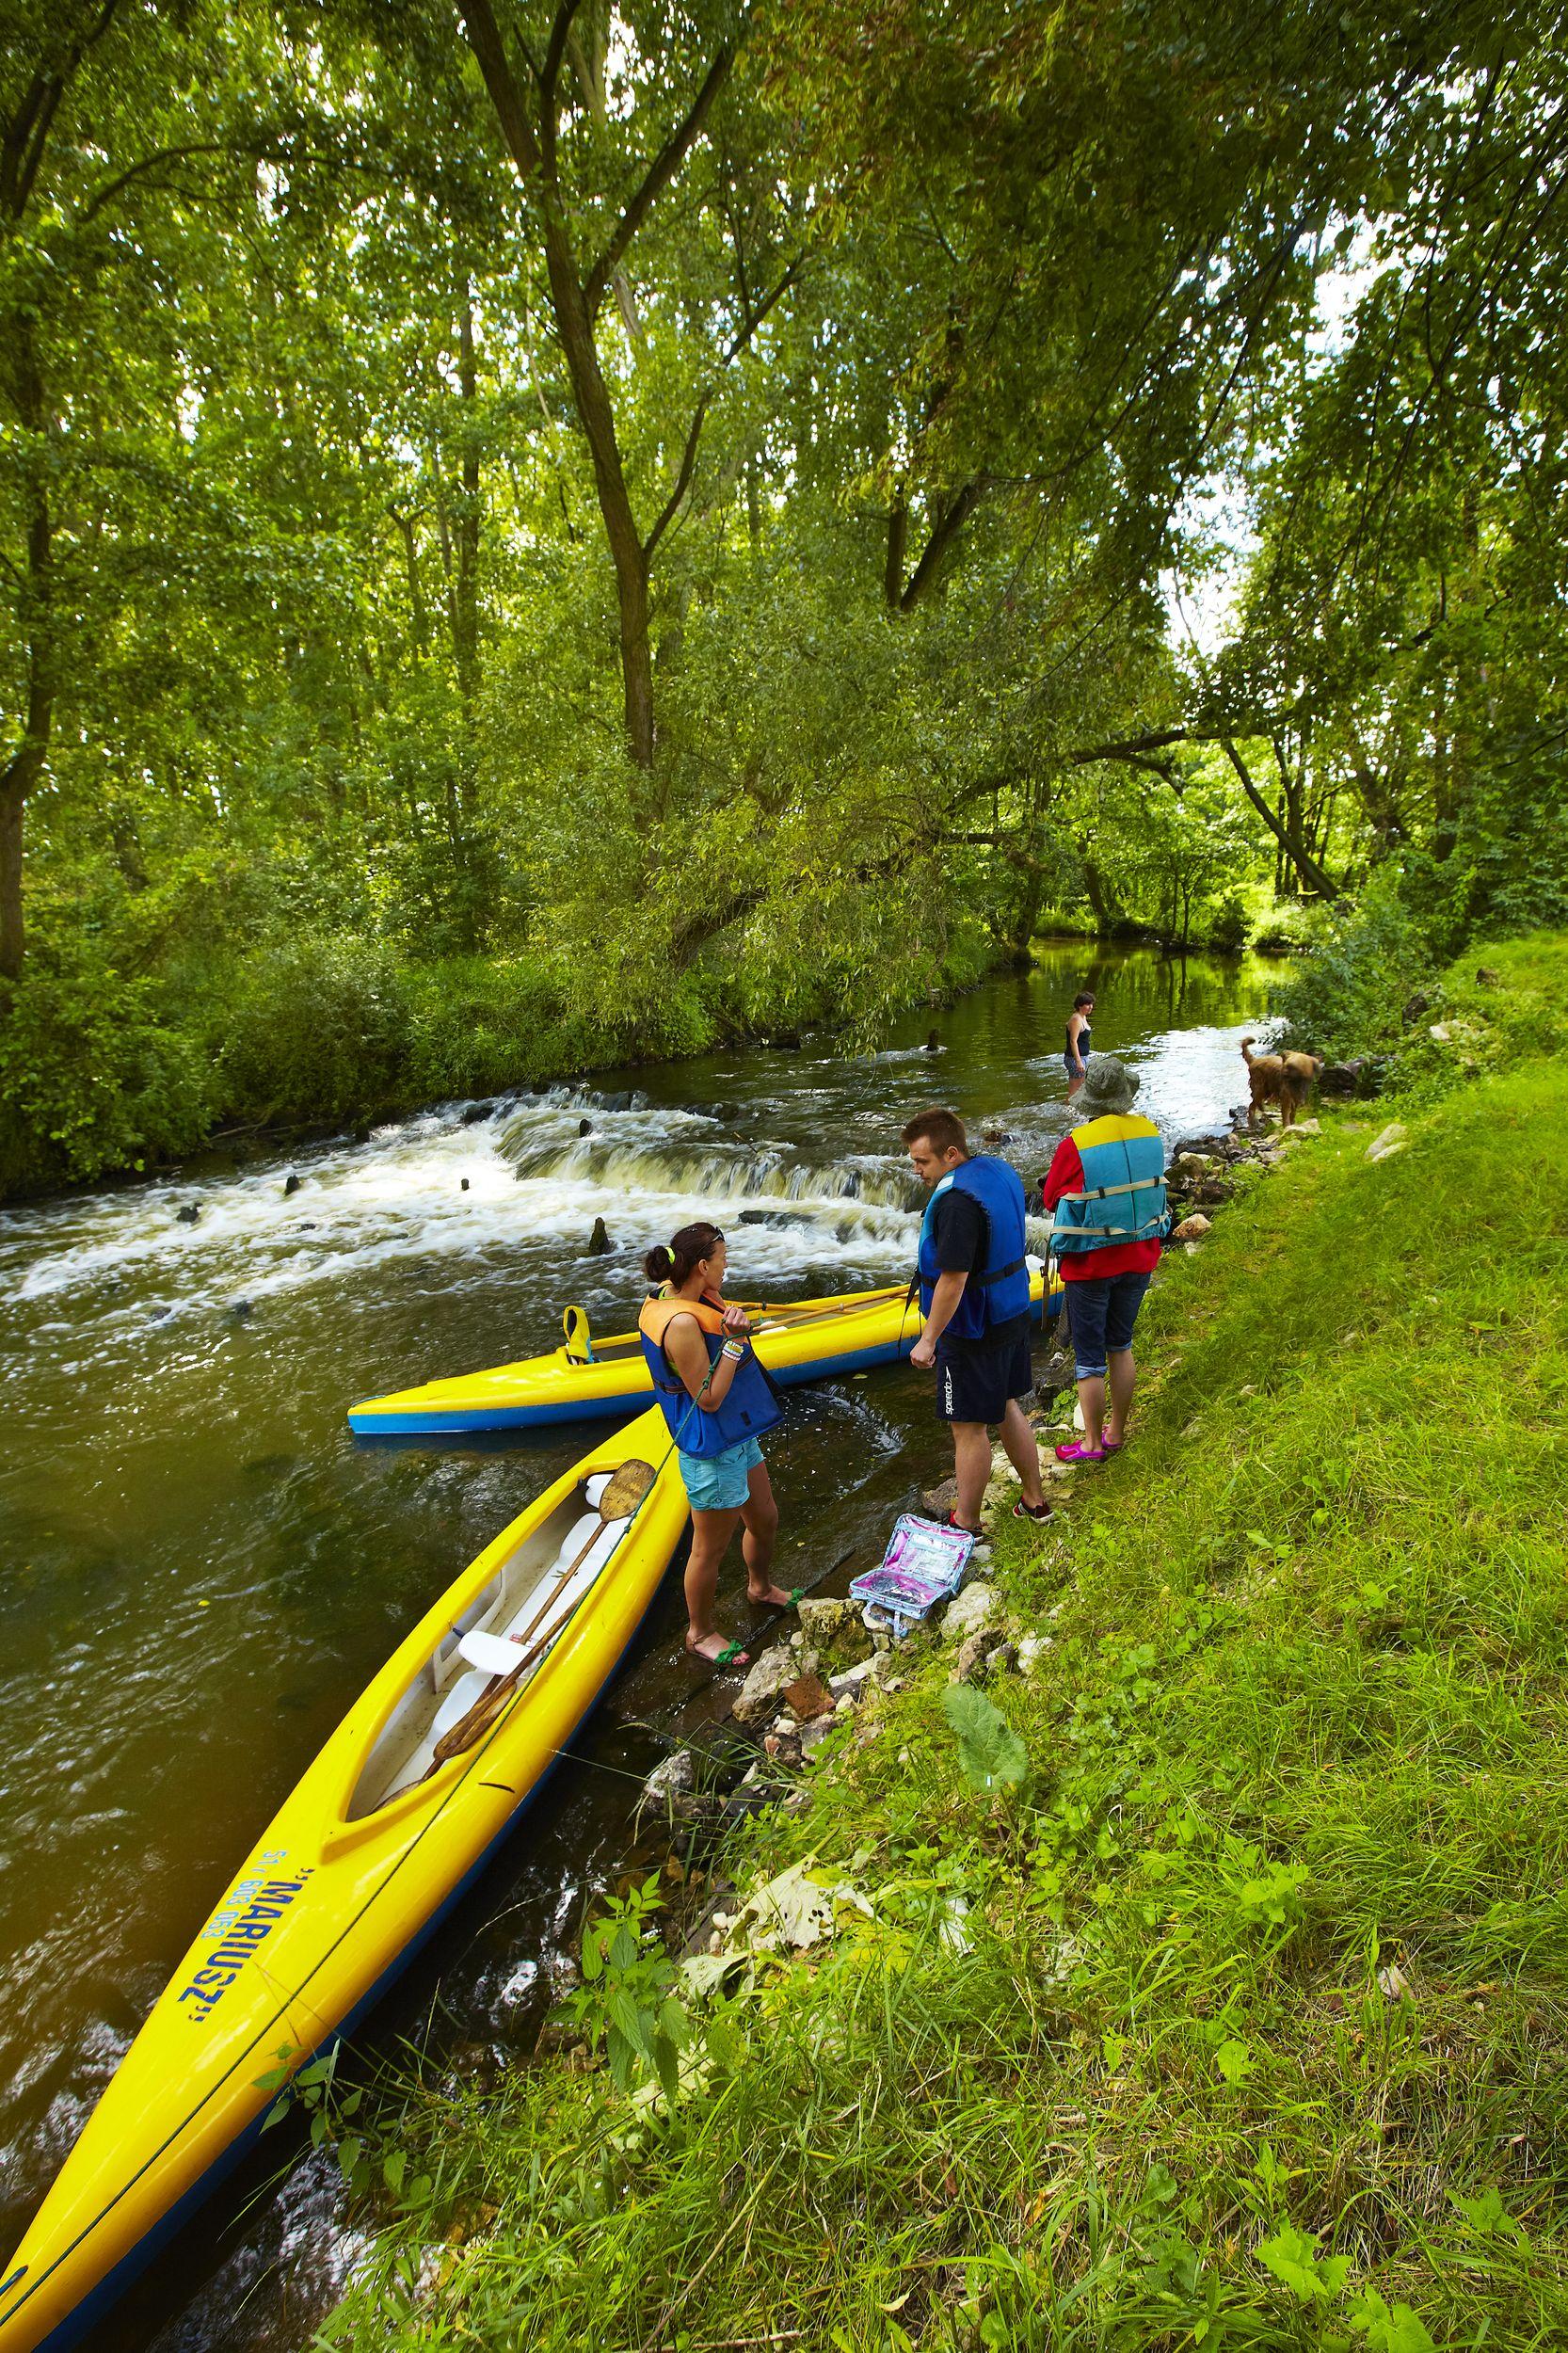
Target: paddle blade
{"type": "Point", "coordinates": [626, 1490]}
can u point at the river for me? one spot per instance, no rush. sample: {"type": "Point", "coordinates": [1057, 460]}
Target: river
{"type": "Point", "coordinates": [202, 1567]}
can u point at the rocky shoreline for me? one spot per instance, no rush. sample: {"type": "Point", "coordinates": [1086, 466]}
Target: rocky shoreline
{"type": "Point", "coordinates": [833, 1670]}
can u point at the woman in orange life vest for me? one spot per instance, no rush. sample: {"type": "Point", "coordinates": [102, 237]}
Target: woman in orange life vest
{"type": "Point", "coordinates": [717, 1402]}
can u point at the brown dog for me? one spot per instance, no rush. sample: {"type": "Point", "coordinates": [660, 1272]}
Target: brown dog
{"type": "Point", "coordinates": [1283, 1078]}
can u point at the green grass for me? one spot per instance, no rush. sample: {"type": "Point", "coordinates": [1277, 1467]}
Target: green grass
{"type": "Point", "coordinates": [1303, 1722]}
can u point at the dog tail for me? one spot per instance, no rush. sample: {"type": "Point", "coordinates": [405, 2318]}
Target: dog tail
{"type": "Point", "coordinates": [1247, 1044]}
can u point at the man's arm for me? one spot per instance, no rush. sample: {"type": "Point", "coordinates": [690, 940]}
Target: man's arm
{"type": "Point", "coordinates": [944, 1305]}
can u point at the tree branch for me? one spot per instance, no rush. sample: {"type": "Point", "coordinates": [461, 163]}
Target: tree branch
{"type": "Point", "coordinates": [656, 179]}
{"type": "Point", "coordinates": [943, 534]}
{"type": "Point", "coordinates": [672, 505]}
{"type": "Point", "coordinates": [1301, 859]}
{"type": "Point", "coordinates": [484, 38]}
{"type": "Point", "coordinates": [752, 320]}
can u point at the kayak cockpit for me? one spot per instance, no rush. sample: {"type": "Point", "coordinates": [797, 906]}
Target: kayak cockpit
{"type": "Point", "coordinates": [516, 1620]}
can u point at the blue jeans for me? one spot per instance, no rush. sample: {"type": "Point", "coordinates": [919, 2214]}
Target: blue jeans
{"type": "Point", "coordinates": [1101, 1312]}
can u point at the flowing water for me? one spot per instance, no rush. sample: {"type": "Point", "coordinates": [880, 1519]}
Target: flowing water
{"type": "Point", "coordinates": [201, 1567]}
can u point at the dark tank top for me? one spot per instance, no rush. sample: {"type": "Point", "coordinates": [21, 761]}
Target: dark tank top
{"type": "Point", "coordinates": [1082, 1043]}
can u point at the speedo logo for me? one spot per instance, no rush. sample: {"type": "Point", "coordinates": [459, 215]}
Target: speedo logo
{"type": "Point", "coordinates": [242, 1933]}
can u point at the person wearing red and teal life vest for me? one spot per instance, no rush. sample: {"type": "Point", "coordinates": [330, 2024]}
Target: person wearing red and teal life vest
{"type": "Point", "coordinates": [974, 1295]}
{"type": "Point", "coordinates": [718, 1403]}
{"type": "Point", "coordinates": [1106, 1193]}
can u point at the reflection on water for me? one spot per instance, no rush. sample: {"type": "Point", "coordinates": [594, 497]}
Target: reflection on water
{"type": "Point", "coordinates": [202, 1567]}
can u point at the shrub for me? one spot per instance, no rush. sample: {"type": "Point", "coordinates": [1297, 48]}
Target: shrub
{"type": "Point", "coordinates": [1350, 994]}
{"type": "Point", "coordinates": [479, 1026]}
{"type": "Point", "coordinates": [1229, 925]}
{"type": "Point", "coordinates": [318, 1028]}
{"type": "Point", "coordinates": [93, 1073]}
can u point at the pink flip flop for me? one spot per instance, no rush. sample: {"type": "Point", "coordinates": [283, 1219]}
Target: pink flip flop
{"type": "Point", "coordinates": [1078, 1452]}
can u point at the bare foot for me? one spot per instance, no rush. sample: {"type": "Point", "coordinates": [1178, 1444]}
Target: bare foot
{"type": "Point", "coordinates": [713, 1647]}
{"type": "Point", "coordinates": [772, 1597]}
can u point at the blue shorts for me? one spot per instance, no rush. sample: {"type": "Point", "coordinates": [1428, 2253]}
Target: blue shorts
{"type": "Point", "coordinates": [1101, 1312]}
{"type": "Point", "coordinates": [721, 1482]}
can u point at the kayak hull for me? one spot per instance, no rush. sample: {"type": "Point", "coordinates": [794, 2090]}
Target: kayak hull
{"type": "Point", "coordinates": [820, 1339]}
{"type": "Point", "coordinates": [355, 1873]}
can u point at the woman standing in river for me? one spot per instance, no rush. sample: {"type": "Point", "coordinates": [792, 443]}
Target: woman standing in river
{"type": "Point", "coordinates": [717, 1402]}
{"type": "Point", "coordinates": [1076, 1057]}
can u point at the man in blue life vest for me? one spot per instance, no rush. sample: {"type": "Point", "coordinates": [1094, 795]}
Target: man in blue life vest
{"type": "Point", "coordinates": [974, 1295]}
{"type": "Point", "coordinates": [1106, 1191]}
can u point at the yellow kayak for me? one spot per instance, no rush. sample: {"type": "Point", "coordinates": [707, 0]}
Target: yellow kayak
{"type": "Point", "coordinates": [811, 1340]}
{"type": "Point", "coordinates": [397, 1814]}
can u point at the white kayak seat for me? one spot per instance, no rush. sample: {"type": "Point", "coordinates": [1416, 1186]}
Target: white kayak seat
{"type": "Point", "coordinates": [593, 1488]}
{"type": "Point", "coordinates": [459, 1700]}
{"type": "Point", "coordinates": [578, 1536]}
{"type": "Point", "coordinates": [493, 1652]}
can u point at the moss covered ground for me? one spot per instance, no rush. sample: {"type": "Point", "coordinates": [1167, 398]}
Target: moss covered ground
{"type": "Point", "coordinates": [1243, 2018]}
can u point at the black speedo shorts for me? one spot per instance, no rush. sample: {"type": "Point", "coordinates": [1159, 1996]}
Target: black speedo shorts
{"type": "Point", "coordinates": [975, 1383]}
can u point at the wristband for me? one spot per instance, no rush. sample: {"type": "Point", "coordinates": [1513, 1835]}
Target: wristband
{"type": "Point", "coordinates": [734, 1350]}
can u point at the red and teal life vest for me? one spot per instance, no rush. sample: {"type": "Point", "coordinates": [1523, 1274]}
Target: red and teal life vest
{"type": "Point", "coordinates": [1123, 1198]}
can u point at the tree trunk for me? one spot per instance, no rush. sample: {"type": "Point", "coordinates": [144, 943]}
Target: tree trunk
{"type": "Point", "coordinates": [465, 591]}
{"type": "Point", "coordinates": [897, 542]}
{"type": "Point", "coordinates": [573, 303]}
{"type": "Point", "coordinates": [1102, 897]}
{"type": "Point", "coordinates": [35, 622]}
{"type": "Point", "coordinates": [592, 397]}
{"type": "Point", "coordinates": [419, 623]}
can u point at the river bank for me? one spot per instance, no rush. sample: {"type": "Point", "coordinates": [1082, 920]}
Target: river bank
{"type": "Point", "coordinates": [329, 1035]}
{"type": "Point", "coordinates": [1235, 2007]}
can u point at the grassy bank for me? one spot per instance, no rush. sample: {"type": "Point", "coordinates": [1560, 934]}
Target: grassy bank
{"type": "Point", "coordinates": [1242, 2018]}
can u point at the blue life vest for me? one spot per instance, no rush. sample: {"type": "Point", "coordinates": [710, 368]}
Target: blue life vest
{"type": "Point", "coordinates": [749, 1406]}
{"type": "Point", "coordinates": [1123, 1198]}
{"type": "Point", "coordinates": [998, 1287]}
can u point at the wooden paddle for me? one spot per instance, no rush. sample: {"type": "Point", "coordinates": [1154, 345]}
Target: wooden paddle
{"type": "Point", "coordinates": [623, 1492]}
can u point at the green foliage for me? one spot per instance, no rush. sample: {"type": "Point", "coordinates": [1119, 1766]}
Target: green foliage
{"type": "Point", "coordinates": [92, 1074]}
{"type": "Point", "coordinates": [1348, 996]}
{"type": "Point", "coordinates": [989, 1751]}
{"type": "Point", "coordinates": [628, 2000]}
{"type": "Point", "coordinates": [317, 1029]}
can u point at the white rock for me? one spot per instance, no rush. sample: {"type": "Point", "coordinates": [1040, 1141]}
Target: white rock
{"type": "Point", "coordinates": [1393, 1139]}
{"type": "Point", "coordinates": [976, 1606]}
{"type": "Point", "coordinates": [1193, 1228]}
{"type": "Point", "coordinates": [675, 1778]}
{"type": "Point", "coordinates": [1031, 1649]}
{"type": "Point", "coordinates": [767, 1678]}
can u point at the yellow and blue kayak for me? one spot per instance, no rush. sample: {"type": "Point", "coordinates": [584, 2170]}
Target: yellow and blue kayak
{"type": "Point", "coordinates": [811, 1340]}
{"type": "Point", "coordinates": [401, 1809]}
